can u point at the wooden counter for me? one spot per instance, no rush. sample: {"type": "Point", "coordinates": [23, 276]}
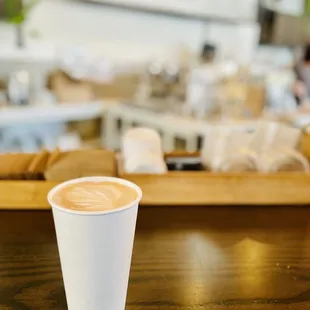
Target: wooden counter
{"type": "Point", "coordinates": [195, 258]}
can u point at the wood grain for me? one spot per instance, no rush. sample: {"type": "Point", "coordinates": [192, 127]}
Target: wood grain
{"type": "Point", "coordinates": [184, 258]}
{"type": "Point", "coordinates": [174, 189]}
{"type": "Point", "coordinates": [203, 188]}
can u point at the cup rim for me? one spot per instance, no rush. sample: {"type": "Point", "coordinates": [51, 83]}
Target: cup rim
{"type": "Point", "coordinates": [95, 179]}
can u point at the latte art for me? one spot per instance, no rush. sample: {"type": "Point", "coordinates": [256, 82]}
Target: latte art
{"type": "Point", "coordinates": [94, 196]}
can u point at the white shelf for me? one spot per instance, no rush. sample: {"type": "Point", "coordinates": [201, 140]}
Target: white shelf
{"type": "Point", "coordinates": [63, 112]}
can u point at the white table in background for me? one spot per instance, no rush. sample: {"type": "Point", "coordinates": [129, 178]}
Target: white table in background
{"type": "Point", "coordinates": [169, 126]}
{"type": "Point", "coordinates": [41, 113]}
{"type": "Point", "coordinates": [27, 127]}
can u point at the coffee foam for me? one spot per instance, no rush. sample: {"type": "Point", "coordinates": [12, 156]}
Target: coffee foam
{"type": "Point", "coordinates": [94, 196]}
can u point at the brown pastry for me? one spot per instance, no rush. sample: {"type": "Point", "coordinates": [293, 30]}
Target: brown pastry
{"type": "Point", "coordinates": [76, 164]}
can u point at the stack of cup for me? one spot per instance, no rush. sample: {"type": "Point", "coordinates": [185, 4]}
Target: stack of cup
{"type": "Point", "coordinates": [142, 151]}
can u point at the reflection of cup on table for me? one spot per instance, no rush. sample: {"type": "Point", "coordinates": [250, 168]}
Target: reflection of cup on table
{"type": "Point", "coordinates": [95, 221]}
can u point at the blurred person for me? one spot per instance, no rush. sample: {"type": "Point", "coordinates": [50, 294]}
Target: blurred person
{"type": "Point", "coordinates": [301, 88]}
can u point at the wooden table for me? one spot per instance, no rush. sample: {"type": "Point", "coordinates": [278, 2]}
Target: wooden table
{"type": "Point", "coordinates": [185, 258]}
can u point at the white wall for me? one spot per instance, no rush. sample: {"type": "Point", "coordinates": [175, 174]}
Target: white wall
{"type": "Point", "coordinates": [232, 9]}
{"type": "Point", "coordinates": [236, 42]}
{"type": "Point", "coordinates": [116, 32]}
{"type": "Point", "coordinates": [125, 34]}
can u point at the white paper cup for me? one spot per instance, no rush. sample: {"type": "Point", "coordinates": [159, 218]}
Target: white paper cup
{"type": "Point", "coordinates": [142, 133]}
{"type": "Point", "coordinates": [140, 140]}
{"type": "Point", "coordinates": [145, 163]}
{"type": "Point", "coordinates": [133, 149]}
{"type": "Point", "coordinates": [95, 251]}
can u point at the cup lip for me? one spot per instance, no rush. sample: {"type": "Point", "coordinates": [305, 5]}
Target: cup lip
{"type": "Point", "coordinates": [94, 179]}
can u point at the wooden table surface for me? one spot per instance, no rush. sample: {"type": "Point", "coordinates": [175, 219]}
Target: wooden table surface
{"type": "Point", "coordinates": [184, 258]}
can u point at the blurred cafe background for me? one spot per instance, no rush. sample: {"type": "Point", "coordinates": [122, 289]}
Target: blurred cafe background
{"type": "Point", "coordinates": [78, 74]}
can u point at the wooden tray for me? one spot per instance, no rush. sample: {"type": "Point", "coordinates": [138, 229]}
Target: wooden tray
{"type": "Point", "coordinates": [207, 188]}
{"type": "Point", "coordinates": [181, 188]}
{"type": "Point", "coordinates": [25, 194]}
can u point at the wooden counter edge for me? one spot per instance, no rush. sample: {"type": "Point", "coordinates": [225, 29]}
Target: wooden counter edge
{"type": "Point", "coordinates": [178, 190]}
{"type": "Point", "coordinates": [25, 195]}
{"type": "Point", "coordinates": [208, 188]}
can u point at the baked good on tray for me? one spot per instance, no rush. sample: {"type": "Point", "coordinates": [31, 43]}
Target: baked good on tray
{"type": "Point", "coordinates": [81, 163]}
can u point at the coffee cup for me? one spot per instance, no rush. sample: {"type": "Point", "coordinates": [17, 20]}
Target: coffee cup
{"type": "Point", "coordinates": [95, 239]}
